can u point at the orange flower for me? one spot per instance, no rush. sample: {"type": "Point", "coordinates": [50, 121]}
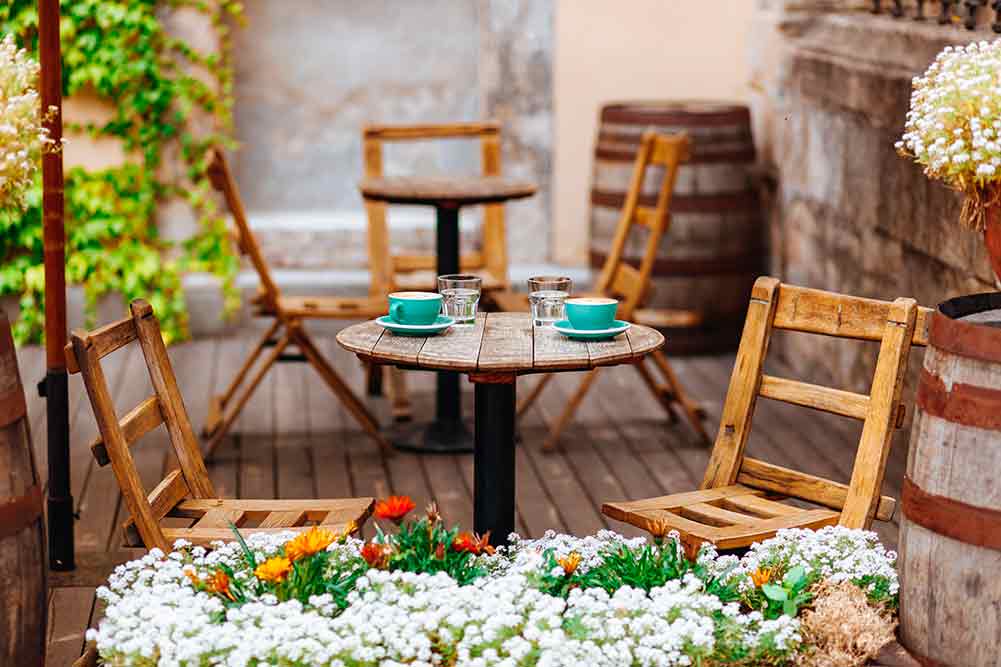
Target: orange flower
{"type": "Point", "coordinates": [394, 508]}
{"type": "Point", "coordinates": [432, 513]}
{"type": "Point", "coordinates": [312, 541]}
{"type": "Point", "coordinates": [473, 543]}
{"type": "Point", "coordinates": [761, 576]}
{"type": "Point", "coordinates": [439, 551]}
{"type": "Point", "coordinates": [569, 563]}
{"type": "Point", "coordinates": [274, 570]}
{"type": "Point", "coordinates": [376, 555]}
{"type": "Point", "coordinates": [218, 583]}
{"type": "Point", "coordinates": [195, 580]}
{"type": "Point", "coordinates": [658, 528]}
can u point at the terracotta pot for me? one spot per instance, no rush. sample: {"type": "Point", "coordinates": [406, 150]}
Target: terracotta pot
{"type": "Point", "coordinates": [992, 238]}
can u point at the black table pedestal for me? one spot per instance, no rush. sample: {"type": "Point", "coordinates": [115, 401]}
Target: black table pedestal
{"type": "Point", "coordinates": [494, 460]}
{"type": "Point", "coordinates": [447, 434]}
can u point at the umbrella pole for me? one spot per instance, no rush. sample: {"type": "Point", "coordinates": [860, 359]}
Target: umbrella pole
{"type": "Point", "coordinates": [54, 388]}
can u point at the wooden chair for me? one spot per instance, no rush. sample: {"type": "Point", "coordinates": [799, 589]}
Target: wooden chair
{"type": "Point", "coordinates": [186, 492]}
{"type": "Point", "coordinates": [391, 273]}
{"type": "Point", "coordinates": [738, 503]}
{"type": "Point", "coordinates": [287, 331]}
{"type": "Point", "coordinates": [630, 285]}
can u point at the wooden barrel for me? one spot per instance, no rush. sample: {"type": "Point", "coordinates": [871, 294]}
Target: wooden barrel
{"type": "Point", "coordinates": [950, 527]}
{"type": "Point", "coordinates": [715, 248]}
{"type": "Point", "coordinates": [22, 535]}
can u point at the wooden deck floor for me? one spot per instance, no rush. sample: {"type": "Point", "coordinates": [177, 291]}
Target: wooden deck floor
{"type": "Point", "coordinates": [295, 441]}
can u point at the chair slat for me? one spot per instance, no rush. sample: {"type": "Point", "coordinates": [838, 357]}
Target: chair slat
{"type": "Point", "coordinates": [776, 479]}
{"type": "Point", "coordinates": [737, 536]}
{"type": "Point", "coordinates": [826, 313]}
{"type": "Point", "coordinates": [195, 507]}
{"type": "Point", "coordinates": [220, 517]}
{"type": "Point", "coordinates": [102, 341]}
{"type": "Point", "coordinates": [677, 500]}
{"type": "Point", "coordinates": [430, 131]}
{"type": "Point", "coordinates": [759, 505]}
{"type": "Point", "coordinates": [669, 150]}
{"type": "Point", "coordinates": [826, 399]}
{"type": "Point", "coordinates": [283, 519]}
{"type": "Point", "coordinates": [138, 422]}
{"type": "Point", "coordinates": [162, 500]}
{"type": "Point", "coordinates": [646, 216]}
{"type": "Point", "coordinates": [715, 516]}
{"type": "Point", "coordinates": [410, 263]}
{"type": "Point", "coordinates": [627, 282]}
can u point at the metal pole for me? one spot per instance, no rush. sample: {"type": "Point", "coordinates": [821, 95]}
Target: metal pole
{"type": "Point", "coordinates": [60, 502]}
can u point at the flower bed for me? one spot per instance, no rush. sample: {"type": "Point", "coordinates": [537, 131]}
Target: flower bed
{"type": "Point", "coordinates": [428, 595]}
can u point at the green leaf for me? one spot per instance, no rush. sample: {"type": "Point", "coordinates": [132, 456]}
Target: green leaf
{"type": "Point", "coordinates": [774, 592]}
{"type": "Point", "coordinates": [789, 608]}
{"type": "Point", "coordinates": [795, 577]}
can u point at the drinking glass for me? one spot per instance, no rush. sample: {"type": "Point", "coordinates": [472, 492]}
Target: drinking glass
{"type": "Point", "coordinates": [546, 295]}
{"type": "Point", "coordinates": [460, 296]}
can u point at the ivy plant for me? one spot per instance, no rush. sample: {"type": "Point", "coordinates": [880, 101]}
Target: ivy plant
{"type": "Point", "coordinates": [156, 83]}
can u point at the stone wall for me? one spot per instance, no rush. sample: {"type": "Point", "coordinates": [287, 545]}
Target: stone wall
{"type": "Point", "coordinates": [310, 74]}
{"type": "Point", "coordinates": [831, 91]}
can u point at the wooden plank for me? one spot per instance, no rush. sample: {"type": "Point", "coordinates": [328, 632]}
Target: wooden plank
{"type": "Point", "coordinates": [164, 498]}
{"type": "Point", "coordinates": [738, 411]}
{"type": "Point", "coordinates": [429, 131]}
{"type": "Point", "coordinates": [203, 383]}
{"type": "Point", "coordinates": [102, 341]}
{"type": "Point", "coordinates": [69, 614]}
{"type": "Point", "coordinates": [758, 505]}
{"type": "Point", "coordinates": [399, 349]}
{"type": "Point", "coordinates": [507, 343]}
{"type": "Point", "coordinates": [610, 352]}
{"type": "Point", "coordinates": [643, 340]}
{"type": "Point", "coordinates": [716, 516]}
{"type": "Point", "coordinates": [674, 501]}
{"type": "Point", "coordinates": [283, 519]}
{"type": "Point", "coordinates": [826, 399]}
{"type": "Point", "coordinates": [795, 484]}
{"type": "Point", "coordinates": [735, 536]}
{"type": "Point", "coordinates": [296, 476]}
{"type": "Point", "coordinates": [360, 338]}
{"type": "Point", "coordinates": [220, 517]}
{"type": "Point", "coordinates": [138, 422]}
{"type": "Point", "coordinates": [457, 348]}
{"type": "Point", "coordinates": [831, 314]}
{"type": "Point", "coordinates": [554, 351]}
{"type": "Point", "coordinates": [877, 433]}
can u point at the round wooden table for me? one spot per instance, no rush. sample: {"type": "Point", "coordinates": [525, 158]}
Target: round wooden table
{"type": "Point", "coordinates": [493, 352]}
{"type": "Point", "coordinates": [447, 433]}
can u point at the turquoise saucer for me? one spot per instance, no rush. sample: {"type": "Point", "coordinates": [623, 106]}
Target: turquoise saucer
{"type": "Point", "coordinates": [567, 329]}
{"type": "Point", "coordinates": [443, 322]}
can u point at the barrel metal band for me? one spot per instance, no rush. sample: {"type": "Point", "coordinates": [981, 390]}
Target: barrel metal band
{"type": "Point", "coordinates": [966, 404]}
{"type": "Point", "coordinates": [19, 512]}
{"type": "Point", "coordinates": [979, 526]}
{"type": "Point", "coordinates": [966, 339]}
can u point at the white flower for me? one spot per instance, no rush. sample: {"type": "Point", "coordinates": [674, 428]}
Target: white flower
{"type": "Point", "coordinates": [22, 135]}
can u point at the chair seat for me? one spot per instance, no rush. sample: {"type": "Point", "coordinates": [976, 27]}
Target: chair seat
{"type": "Point", "coordinates": [332, 308]}
{"type": "Point", "coordinates": [210, 519]}
{"type": "Point", "coordinates": [427, 280]}
{"type": "Point", "coordinates": [729, 517]}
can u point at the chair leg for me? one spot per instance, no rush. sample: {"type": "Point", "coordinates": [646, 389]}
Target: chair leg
{"type": "Point", "coordinates": [552, 442]}
{"type": "Point", "coordinates": [695, 413]}
{"type": "Point", "coordinates": [399, 395]}
{"type": "Point", "coordinates": [656, 389]}
{"type": "Point", "coordinates": [228, 416]}
{"type": "Point", "coordinates": [340, 389]}
{"type": "Point", "coordinates": [527, 402]}
{"type": "Point", "coordinates": [217, 404]}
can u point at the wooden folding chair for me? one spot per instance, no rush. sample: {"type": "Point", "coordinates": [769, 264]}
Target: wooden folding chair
{"type": "Point", "coordinates": [186, 492]}
{"type": "Point", "coordinates": [391, 273]}
{"type": "Point", "coordinates": [287, 331]}
{"type": "Point", "coordinates": [630, 285]}
{"type": "Point", "coordinates": [738, 503]}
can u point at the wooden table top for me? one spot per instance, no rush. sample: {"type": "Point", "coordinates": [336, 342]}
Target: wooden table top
{"type": "Point", "coordinates": [499, 343]}
{"type": "Point", "coordinates": [436, 190]}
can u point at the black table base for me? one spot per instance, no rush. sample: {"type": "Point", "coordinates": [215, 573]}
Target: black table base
{"type": "Point", "coordinates": [494, 460]}
{"type": "Point", "coordinates": [434, 438]}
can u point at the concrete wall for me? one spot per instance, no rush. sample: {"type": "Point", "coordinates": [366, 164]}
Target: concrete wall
{"type": "Point", "coordinates": [634, 49]}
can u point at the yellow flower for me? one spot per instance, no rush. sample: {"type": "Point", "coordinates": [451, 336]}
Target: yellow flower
{"type": "Point", "coordinates": [274, 570]}
{"type": "Point", "coordinates": [570, 563]}
{"type": "Point", "coordinates": [312, 541]}
{"type": "Point", "coordinates": [761, 576]}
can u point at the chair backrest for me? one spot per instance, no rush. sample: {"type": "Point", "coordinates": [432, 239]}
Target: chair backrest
{"type": "Point", "coordinates": [222, 180]}
{"type": "Point", "coordinates": [385, 266]}
{"type": "Point", "coordinates": [618, 278]}
{"type": "Point", "coordinates": [83, 354]}
{"type": "Point", "coordinates": [895, 325]}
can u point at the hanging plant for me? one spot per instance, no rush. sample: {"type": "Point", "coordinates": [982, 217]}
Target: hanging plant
{"type": "Point", "coordinates": [155, 83]}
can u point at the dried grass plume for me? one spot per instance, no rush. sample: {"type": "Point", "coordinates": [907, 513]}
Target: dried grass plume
{"type": "Point", "coordinates": [843, 628]}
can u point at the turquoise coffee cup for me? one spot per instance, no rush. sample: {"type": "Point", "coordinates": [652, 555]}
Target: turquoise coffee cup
{"type": "Point", "coordinates": [417, 308]}
{"type": "Point", "coordinates": [589, 313]}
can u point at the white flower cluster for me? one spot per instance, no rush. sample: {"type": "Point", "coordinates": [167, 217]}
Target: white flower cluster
{"type": "Point", "coordinates": [953, 127]}
{"type": "Point", "coordinates": [22, 135]}
{"type": "Point", "coordinates": [155, 617]}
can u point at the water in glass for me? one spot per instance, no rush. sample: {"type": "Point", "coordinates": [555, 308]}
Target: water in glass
{"type": "Point", "coordinates": [547, 306]}
{"type": "Point", "coordinates": [461, 304]}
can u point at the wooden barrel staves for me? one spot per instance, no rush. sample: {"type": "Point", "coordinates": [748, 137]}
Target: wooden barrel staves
{"type": "Point", "coordinates": [950, 528]}
{"type": "Point", "coordinates": [716, 244]}
{"type": "Point", "coordinates": [22, 534]}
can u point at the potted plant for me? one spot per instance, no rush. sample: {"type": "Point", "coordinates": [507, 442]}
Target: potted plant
{"type": "Point", "coordinates": [22, 135]}
{"type": "Point", "coordinates": [953, 130]}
